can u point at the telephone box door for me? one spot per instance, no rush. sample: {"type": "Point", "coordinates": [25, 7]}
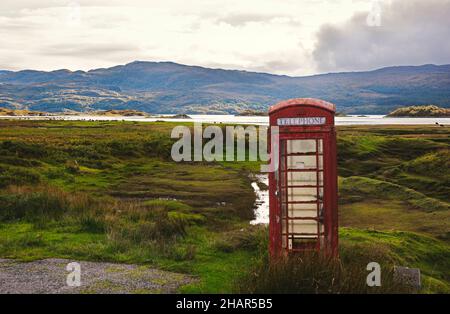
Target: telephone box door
{"type": "Point", "coordinates": [301, 194]}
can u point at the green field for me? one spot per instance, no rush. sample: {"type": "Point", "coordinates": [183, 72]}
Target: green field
{"type": "Point", "coordinates": [109, 191]}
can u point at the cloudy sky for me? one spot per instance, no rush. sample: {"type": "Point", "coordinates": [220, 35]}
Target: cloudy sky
{"type": "Point", "coordinates": [293, 37]}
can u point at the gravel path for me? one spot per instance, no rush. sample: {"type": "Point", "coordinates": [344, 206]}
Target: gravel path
{"type": "Point", "coordinates": [50, 275]}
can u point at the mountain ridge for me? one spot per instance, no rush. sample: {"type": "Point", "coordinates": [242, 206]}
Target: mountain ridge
{"type": "Point", "coordinates": [422, 66]}
{"type": "Point", "coordinates": [168, 87]}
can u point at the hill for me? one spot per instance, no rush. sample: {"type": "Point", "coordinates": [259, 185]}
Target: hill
{"type": "Point", "coordinates": [420, 111]}
{"type": "Point", "coordinates": [19, 112]}
{"type": "Point", "coordinates": [167, 87]}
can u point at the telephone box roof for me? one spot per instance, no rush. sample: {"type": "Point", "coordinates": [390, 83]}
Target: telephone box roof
{"type": "Point", "coordinates": [303, 101]}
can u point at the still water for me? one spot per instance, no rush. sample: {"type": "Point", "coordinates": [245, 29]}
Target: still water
{"type": "Point", "coordinates": [349, 120]}
{"type": "Point", "coordinates": [262, 200]}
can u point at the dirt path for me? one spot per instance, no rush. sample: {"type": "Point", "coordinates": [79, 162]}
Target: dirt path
{"type": "Point", "coordinates": [50, 276]}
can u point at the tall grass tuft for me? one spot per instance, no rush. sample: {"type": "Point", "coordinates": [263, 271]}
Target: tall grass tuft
{"type": "Point", "coordinates": [124, 224]}
{"type": "Point", "coordinates": [314, 273]}
{"type": "Point", "coordinates": [40, 203]}
{"type": "Point", "coordinates": [141, 225]}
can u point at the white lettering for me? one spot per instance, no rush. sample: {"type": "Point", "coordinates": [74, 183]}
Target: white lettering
{"type": "Point", "coordinates": [302, 121]}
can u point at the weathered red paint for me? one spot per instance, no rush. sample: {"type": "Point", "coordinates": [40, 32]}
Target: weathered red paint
{"type": "Point", "coordinates": [326, 134]}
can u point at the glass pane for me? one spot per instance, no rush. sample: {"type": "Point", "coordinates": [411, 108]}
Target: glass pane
{"type": "Point", "coordinates": [302, 178]}
{"type": "Point", "coordinates": [321, 211]}
{"type": "Point", "coordinates": [321, 194]}
{"type": "Point", "coordinates": [302, 162]}
{"type": "Point", "coordinates": [283, 152]}
{"type": "Point", "coordinates": [302, 210]}
{"type": "Point", "coordinates": [302, 194]}
{"type": "Point", "coordinates": [283, 194]}
{"type": "Point", "coordinates": [321, 229]}
{"type": "Point", "coordinates": [283, 210]}
{"type": "Point", "coordinates": [309, 242]}
{"type": "Point", "coordinates": [307, 207]}
{"type": "Point", "coordinates": [320, 146]}
{"type": "Point", "coordinates": [302, 213]}
{"type": "Point", "coordinates": [302, 226]}
{"type": "Point", "coordinates": [283, 202]}
{"type": "Point", "coordinates": [301, 146]}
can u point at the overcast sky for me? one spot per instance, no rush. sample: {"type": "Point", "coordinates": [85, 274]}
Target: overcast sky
{"type": "Point", "coordinates": [293, 37]}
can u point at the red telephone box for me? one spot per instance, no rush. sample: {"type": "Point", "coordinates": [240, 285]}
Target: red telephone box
{"type": "Point", "coordinates": [303, 189]}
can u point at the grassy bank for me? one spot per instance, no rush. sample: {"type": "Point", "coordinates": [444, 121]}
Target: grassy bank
{"type": "Point", "coordinates": [108, 191]}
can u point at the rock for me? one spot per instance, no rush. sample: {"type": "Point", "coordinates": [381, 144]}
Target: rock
{"type": "Point", "coordinates": [408, 276]}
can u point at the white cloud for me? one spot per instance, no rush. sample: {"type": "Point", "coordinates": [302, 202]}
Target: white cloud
{"type": "Point", "coordinates": [410, 32]}
{"type": "Point", "coordinates": [259, 35]}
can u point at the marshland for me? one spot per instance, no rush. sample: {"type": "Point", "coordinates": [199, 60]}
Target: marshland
{"type": "Point", "coordinates": [109, 191]}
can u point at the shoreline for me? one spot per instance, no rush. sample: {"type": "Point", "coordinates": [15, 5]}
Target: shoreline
{"type": "Point", "coordinates": [235, 119]}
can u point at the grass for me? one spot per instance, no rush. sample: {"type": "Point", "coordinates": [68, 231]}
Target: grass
{"type": "Point", "coordinates": [366, 187]}
{"type": "Point", "coordinates": [385, 215]}
{"type": "Point", "coordinates": [316, 274]}
{"type": "Point", "coordinates": [108, 191]}
{"type": "Point", "coordinates": [430, 255]}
